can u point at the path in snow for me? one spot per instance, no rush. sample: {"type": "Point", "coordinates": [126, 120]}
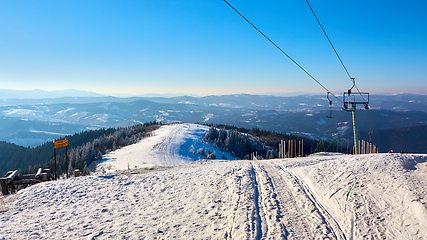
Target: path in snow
{"type": "Point", "coordinates": [170, 145]}
{"type": "Point", "coordinates": [169, 149]}
{"type": "Point", "coordinates": [337, 197]}
{"type": "Point", "coordinates": [289, 206]}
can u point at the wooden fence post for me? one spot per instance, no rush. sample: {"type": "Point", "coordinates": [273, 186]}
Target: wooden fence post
{"type": "Point", "coordinates": [284, 149]}
{"type": "Point", "coordinates": [295, 148]}
{"type": "Point", "coordinates": [302, 148]}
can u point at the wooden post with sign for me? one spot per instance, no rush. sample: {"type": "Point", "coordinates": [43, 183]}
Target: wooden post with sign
{"type": "Point", "coordinates": [60, 144]}
{"type": "Point", "coordinates": [66, 160]}
{"type": "Point", "coordinates": [54, 156]}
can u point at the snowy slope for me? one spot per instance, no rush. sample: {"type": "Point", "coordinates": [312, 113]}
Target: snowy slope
{"type": "Point", "coordinates": [378, 196]}
{"type": "Point", "coordinates": [173, 144]}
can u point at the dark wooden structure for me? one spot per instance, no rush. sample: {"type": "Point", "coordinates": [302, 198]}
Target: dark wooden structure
{"type": "Point", "coordinates": [76, 173]}
{"type": "Point", "coordinates": [12, 179]}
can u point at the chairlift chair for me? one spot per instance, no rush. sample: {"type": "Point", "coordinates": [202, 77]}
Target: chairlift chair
{"type": "Point", "coordinates": [330, 106]}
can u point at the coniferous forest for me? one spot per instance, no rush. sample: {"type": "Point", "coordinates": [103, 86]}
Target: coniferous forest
{"type": "Point", "coordinates": [83, 149]}
{"type": "Point", "coordinates": [242, 142]}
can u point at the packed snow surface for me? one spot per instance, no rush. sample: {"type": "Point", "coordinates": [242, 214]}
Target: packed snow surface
{"type": "Point", "coordinates": [324, 196]}
{"type": "Point", "coordinates": [174, 144]}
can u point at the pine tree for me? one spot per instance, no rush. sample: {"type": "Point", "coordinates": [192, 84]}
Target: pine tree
{"type": "Point", "coordinates": [99, 157]}
{"type": "Point", "coordinates": [85, 170]}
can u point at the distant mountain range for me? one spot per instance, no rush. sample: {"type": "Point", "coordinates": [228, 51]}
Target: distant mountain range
{"type": "Point", "coordinates": [398, 102]}
{"type": "Point", "coordinates": [38, 94]}
{"type": "Point", "coordinates": [31, 122]}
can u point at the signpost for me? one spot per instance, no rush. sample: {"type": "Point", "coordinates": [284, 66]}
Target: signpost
{"type": "Point", "coordinates": [60, 144]}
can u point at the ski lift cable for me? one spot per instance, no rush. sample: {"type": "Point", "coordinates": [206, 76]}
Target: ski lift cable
{"type": "Point", "coordinates": [317, 19]}
{"type": "Point", "coordinates": [330, 42]}
{"type": "Point", "coordinates": [281, 50]}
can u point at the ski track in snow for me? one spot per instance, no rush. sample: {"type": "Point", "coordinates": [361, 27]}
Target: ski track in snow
{"type": "Point", "coordinates": [170, 145]}
{"type": "Point", "coordinates": [330, 196]}
{"type": "Point", "coordinates": [289, 209]}
{"type": "Point", "coordinates": [169, 152]}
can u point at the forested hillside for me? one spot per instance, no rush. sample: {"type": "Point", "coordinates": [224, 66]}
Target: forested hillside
{"type": "Point", "coordinates": [406, 139]}
{"type": "Point", "coordinates": [87, 147]}
{"type": "Point", "coordinates": [242, 142]}
{"type": "Point", "coordinates": [83, 149]}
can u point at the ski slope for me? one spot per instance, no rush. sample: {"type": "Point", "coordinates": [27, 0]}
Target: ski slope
{"type": "Point", "coordinates": [173, 144]}
{"type": "Point", "coordinates": [324, 196]}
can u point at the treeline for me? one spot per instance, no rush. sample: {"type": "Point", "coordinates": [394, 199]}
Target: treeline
{"type": "Point", "coordinates": [27, 159]}
{"type": "Point", "coordinates": [84, 157]}
{"type": "Point", "coordinates": [239, 144]}
{"type": "Point", "coordinates": [14, 157]}
{"type": "Point", "coordinates": [407, 139]}
{"type": "Point", "coordinates": [264, 143]}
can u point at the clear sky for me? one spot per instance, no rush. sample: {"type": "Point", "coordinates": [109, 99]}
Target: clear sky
{"type": "Point", "coordinates": [203, 47]}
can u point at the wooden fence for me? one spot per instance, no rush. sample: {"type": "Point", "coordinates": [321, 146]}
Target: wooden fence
{"type": "Point", "coordinates": [366, 148]}
{"type": "Point", "coordinates": [291, 148]}
{"type": "Point", "coordinates": [294, 148]}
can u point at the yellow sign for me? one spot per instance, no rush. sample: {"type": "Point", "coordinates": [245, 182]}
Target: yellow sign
{"type": "Point", "coordinates": [60, 143]}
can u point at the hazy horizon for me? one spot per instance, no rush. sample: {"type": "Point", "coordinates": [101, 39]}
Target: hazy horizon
{"type": "Point", "coordinates": [27, 94]}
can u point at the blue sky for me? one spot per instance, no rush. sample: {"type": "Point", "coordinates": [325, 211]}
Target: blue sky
{"type": "Point", "coordinates": [203, 47]}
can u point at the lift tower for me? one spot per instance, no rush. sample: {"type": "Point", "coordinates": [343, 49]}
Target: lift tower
{"type": "Point", "coordinates": [351, 100]}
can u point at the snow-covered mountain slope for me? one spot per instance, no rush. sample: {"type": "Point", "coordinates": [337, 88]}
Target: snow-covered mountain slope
{"type": "Point", "coordinates": [32, 122]}
{"type": "Point", "coordinates": [172, 144]}
{"type": "Point", "coordinates": [378, 196]}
